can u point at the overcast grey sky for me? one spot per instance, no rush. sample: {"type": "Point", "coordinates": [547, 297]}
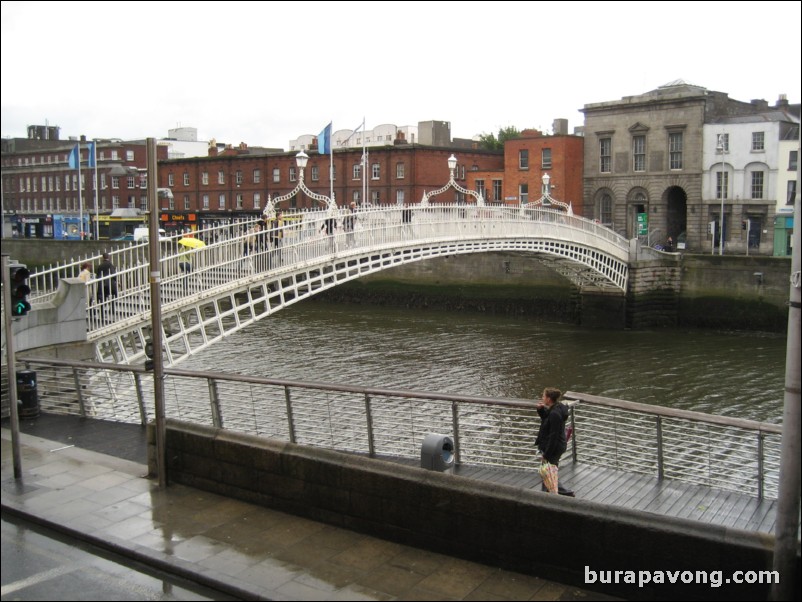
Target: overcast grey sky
{"type": "Point", "coordinates": [266, 72]}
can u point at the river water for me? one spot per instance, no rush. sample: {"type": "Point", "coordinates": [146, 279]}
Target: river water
{"type": "Point", "coordinates": [739, 374]}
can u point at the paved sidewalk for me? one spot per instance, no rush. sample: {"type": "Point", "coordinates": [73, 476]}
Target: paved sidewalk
{"type": "Point", "coordinates": [241, 549]}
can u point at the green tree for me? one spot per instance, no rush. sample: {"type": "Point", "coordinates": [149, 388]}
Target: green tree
{"type": "Point", "coordinates": [491, 142]}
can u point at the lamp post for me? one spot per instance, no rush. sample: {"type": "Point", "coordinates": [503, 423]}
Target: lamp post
{"type": "Point", "coordinates": [720, 148]}
{"type": "Point", "coordinates": [452, 165]}
{"type": "Point", "coordinates": [301, 159]}
{"type": "Point", "coordinates": [546, 190]}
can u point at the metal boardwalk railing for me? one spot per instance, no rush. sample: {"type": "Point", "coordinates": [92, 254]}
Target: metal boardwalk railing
{"type": "Point", "coordinates": [238, 267]}
{"type": "Point", "coordinates": [669, 445]}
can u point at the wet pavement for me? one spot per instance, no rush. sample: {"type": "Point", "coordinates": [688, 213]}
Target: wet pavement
{"type": "Point", "coordinates": [244, 550]}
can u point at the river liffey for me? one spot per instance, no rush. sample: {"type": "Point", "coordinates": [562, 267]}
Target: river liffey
{"type": "Point", "coordinates": [738, 374]}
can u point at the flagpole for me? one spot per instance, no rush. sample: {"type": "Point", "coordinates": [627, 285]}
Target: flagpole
{"type": "Point", "coordinates": [97, 215]}
{"type": "Point", "coordinates": [364, 167]}
{"type": "Point", "coordinates": [331, 167]}
{"type": "Point", "coordinates": [80, 199]}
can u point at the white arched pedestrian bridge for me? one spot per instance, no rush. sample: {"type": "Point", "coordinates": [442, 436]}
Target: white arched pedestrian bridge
{"type": "Point", "coordinates": [240, 276]}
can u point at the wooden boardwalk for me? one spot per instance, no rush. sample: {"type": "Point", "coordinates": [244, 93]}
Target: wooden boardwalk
{"type": "Point", "coordinates": [640, 492]}
{"type": "Point", "coordinates": [589, 482]}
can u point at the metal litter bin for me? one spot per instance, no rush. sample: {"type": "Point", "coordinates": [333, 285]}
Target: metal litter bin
{"type": "Point", "coordinates": [437, 452]}
{"type": "Point", "coordinates": [27, 394]}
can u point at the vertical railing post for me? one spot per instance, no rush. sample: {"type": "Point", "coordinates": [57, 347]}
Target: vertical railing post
{"type": "Point", "coordinates": [455, 427]}
{"type": "Point", "coordinates": [659, 432]}
{"type": "Point", "coordinates": [760, 467]}
{"type": "Point", "coordinates": [140, 399]}
{"type": "Point", "coordinates": [574, 454]}
{"type": "Point", "coordinates": [369, 424]}
{"type": "Point", "coordinates": [290, 420]}
{"type": "Point", "coordinates": [79, 394]}
{"type": "Point", "coordinates": [214, 402]}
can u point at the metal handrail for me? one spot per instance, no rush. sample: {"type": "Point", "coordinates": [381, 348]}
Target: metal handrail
{"type": "Point", "coordinates": [717, 451]}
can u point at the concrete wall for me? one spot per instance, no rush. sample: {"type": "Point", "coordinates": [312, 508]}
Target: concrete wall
{"type": "Point", "coordinates": [521, 530]}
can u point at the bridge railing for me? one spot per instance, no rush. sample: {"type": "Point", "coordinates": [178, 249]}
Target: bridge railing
{"type": "Point", "coordinates": [721, 452]}
{"type": "Point", "coordinates": [235, 253]}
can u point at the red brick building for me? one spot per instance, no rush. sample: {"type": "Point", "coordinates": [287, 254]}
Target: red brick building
{"type": "Point", "coordinates": [234, 185]}
{"type": "Point", "coordinates": [529, 156]}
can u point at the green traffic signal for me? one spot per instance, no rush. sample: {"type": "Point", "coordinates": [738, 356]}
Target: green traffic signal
{"type": "Point", "coordinates": [20, 291]}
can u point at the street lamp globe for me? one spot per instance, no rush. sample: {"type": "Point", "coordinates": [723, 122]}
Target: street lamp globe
{"type": "Point", "coordinates": [452, 162]}
{"type": "Point", "coordinates": [301, 160]}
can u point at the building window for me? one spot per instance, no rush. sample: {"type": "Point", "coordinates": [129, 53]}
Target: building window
{"type": "Point", "coordinates": [115, 182]}
{"type": "Point", "coordinates": [205, 178]}
{"type": "Point", "coordinates": [221, 177]}
{"type": "Point", "coordinates": [333, 169]}
{"type": "Point", "coordinates": [186, 202]}
{"type": "Point", "coordinates": [186, 179]}
{"type": "Point", "coordinates": [356, 197]}
{"type": "Point", "coordinates": [131, 183]}
{"type": "Point", "coordinates": [606, 210]}
{"type": "Point", "coordinates": [115, 201]}
{"type": "Point", "coordinates": [757, 141]}
{"type": "Point", "coordinates": [315, 173]}
{"type": "Point", "coordinates": [790, 197]}
{"type": "Point", "coordinates": [675, 151]}
{"type": "Point", "coordinates": [545, 158]}
{"type": "Point", "coordinates": [605, 155]}
{"type": "Point", "coordinates": [238, 179]}
{"type": "Point", "coordinates": [240, 201]}
{"type": "Point", "coordinates": [792, 160]}
{"type": "Point", "coordinates": [496, 190]}
{"type": "Point", "coordinates": [170, 180]}
{"type": "Point", "coordinates": [292, 174]}
{"type": "Point", "coordinates": [480, 188]}
{"type": "Point", "coordinates": [757, 185]}
{"type": "Point", "coordinates": [143, 181]}
{"type": "Point", "coordinates": [523, 193]}
{"type": "Point", "coordinates": [639, 153]}
{"type": "Point", "coordinates": [143, 202]}
{"type": "Point", "coordinates": [257, 176]}
{"type": "Point", "coordinates": [257, 200]}
{"type": "Point", "coordinates": [374, 195]}
{"type": "Point", "coordinates": [523, 159]}
{"type": "Point", "coordinates": [399, 171]}
{"type": "Point", "coordinates": [357, 172]}
{"type": "Point", "coordinates": [276, 174]}
{"type": "Point", "coordinates": [722, 184]}
{"type": "Point", "coordinates": [399, 197]}
{"type": "Point", "coordinates": [376, 171]}
{"type": "Point", "coordinates": [205, 201]}
{"type": "Point", "coordinates": [221, 201]}
{"type": "Point", "coordinates": [129, 155]}
{"type": "Point", "coordinates": [723, 143]}
{"type": "Point", "coordinates": [103, 181]}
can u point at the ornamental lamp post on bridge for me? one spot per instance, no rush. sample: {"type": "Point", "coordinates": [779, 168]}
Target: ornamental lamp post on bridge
{"type": "Point", "coordinates": [452, 165]}
{"type": "Point", "coordinates": [548, 201]}
{"type": "Point", "coordinates": [301, 159]}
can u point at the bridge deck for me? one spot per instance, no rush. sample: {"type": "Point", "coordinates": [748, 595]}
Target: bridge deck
{"type": "Point", "coordinates": [598, 484]}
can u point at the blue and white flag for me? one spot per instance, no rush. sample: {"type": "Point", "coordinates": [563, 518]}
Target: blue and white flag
{"type": "Point", "coordinates": [91, 161]}
{"type": "Point", "coordinates": [75, 158]}
{"type": "Point", "coordinates": [324, 141]}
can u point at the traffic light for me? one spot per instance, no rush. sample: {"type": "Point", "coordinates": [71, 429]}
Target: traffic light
{"type": "Point", "coordinates": [20, 291]}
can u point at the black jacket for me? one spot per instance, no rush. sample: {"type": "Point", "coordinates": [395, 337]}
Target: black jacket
{"type": "Point", "coordinates": [551, 436]}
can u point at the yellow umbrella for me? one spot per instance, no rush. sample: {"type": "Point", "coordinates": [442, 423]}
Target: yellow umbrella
{"type": "Point", "coordinates": [192, 243]}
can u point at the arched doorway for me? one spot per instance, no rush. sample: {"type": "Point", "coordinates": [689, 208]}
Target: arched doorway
{"type": "Point", "coordinates": [676, 213]}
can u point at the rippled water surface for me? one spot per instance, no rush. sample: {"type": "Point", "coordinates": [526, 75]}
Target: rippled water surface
{"type": "Point", "coordinates": [733, 374]}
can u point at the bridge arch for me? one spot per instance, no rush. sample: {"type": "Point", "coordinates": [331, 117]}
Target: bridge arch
{"type": "Point", "coordinates": [227, 291]}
